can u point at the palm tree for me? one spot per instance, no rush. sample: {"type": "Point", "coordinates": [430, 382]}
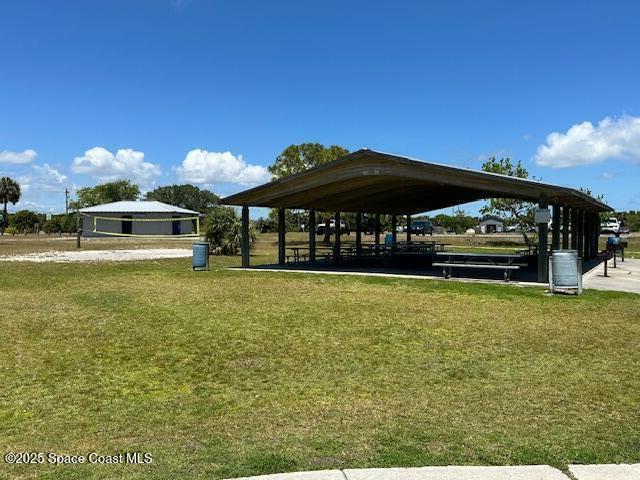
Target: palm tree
{"type": "Point", "coordinates": [9, 192]}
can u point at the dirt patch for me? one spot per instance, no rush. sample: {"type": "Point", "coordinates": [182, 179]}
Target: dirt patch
{"type": "Point", "coordinates": [99, 255]}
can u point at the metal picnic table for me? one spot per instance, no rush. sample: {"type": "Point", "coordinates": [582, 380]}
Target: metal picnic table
{"type": "Point", "coordinates": [494, 261]}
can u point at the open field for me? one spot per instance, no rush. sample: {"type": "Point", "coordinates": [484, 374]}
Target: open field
{"type": "Point", "coordinates": [228, 373]}
{"type": "Point", "coordinates": [266, 243]}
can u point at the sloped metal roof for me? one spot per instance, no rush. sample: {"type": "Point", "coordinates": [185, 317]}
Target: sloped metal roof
{"type": "Point", "coordinates": [377, 182]}
{"type": "Point", "coordinates": [143, 206]}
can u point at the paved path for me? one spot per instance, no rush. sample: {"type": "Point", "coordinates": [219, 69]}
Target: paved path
{"type": "Point", "coordinates": [624, 278]}
{"type": "Point", "coordinates": [525, 472]}
{"type": "Point", "coordinates": [605, 472]}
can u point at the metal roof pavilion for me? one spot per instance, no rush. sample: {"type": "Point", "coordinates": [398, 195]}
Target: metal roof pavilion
{"type": "Point", "coordinates": [371, 181]}
{"type": "Point", "coordinates": [367, 181]}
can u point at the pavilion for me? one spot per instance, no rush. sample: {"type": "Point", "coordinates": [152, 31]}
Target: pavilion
{"type": "Point", "coordinates": [372, 182]}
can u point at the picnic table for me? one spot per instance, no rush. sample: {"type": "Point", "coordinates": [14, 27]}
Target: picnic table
{"type": "Point", "coordinates": [420, 247]}
{"type": "Point", "coordinates": [299, 254]}
{"type": "Point", "coordinates": [530, 249]}
{"type": "Point", "coordinates": [508, 262]}
{"type": "Point", "coordinates": [368, 250]}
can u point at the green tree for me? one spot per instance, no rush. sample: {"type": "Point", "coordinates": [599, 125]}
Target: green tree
{"type": "Point", "coordinates": [185, 196]}
{"type": "Point", "coordinates": [106, 193]}
{"type": "Point", "coordinates": [223, 230]}
{"type": "Point", "coordinates": [26, 221]}
{"type": "Point", "coordinates": [9, 192]}
{"type": "Point", "coordinates": [53, 225]}
{"type": "Point", "coordinates": [459, 223]}
{"type": "Point", "coordinates": [298, 158]}
{"type": "Point", "coordinates": [70, 223]}
{"type": "Point", "coordinates": [519, 212]}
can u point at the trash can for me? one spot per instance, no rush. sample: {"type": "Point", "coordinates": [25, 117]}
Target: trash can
{"type": "Point", "coordinates": [613, 240]}
{"type": "Point", "coordinates": [565, 270]}
{"type": "Point", "coordinates": [388, 239]}
{"type": "Point", "coordinates": [200, 259]}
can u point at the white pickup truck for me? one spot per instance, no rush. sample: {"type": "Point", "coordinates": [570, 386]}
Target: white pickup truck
{"type": "Point", "coordinates": [610, 225]}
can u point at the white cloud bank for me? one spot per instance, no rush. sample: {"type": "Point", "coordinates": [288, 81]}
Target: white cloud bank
{"type": "Point", "coordinates": [202, 166]}
{"type": "Point", "coordinates": [18, 158]}
{"type": "Point", "coordinates": [585, 143]}
{"type": "Point", "coordinates": [43, 179]}
{"type": "Point", "coordinates": [103, 165]}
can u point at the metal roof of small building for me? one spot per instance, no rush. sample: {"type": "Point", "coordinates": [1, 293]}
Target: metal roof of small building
{"type": "Point", "coordinates": [491, 218]}
{"type": "Point", "coordinates": [142, 206]}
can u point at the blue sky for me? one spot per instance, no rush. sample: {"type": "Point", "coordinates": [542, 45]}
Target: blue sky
{"type": "Point", "coordinates": [210, 92]}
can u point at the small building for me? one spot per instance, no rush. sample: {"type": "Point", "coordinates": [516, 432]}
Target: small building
{"type": "Point", "coordinates": [491, 224]}
{"type": "Point", "coordinates": [138, 218]}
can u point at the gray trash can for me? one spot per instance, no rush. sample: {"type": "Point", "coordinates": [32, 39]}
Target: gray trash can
{"type": "Point", "coordinates": [565, 271]}
{"type": "Point", "coordinates": [200, 259]}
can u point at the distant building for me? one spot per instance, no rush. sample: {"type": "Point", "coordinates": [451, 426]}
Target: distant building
{"type": "Point", "coordinates": [491, 224]}
{"type": "Point", "coordinates": [138, 218]}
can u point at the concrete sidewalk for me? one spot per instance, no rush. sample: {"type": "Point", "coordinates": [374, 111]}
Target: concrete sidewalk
{"type": "Point", "coordinates": [624, 278]}
{"type": "Point", "coordinates": [524, 472]}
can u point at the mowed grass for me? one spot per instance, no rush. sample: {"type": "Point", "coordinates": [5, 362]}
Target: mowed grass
{"type": "Point", "coordinates": [228, 373]}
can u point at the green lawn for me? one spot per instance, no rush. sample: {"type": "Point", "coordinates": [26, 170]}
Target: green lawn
{"type": "Point", "coordinates": [227, 373]}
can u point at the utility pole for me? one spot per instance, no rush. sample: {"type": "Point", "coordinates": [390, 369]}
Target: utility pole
{"type": "Point", "coordinates": [66, 201]}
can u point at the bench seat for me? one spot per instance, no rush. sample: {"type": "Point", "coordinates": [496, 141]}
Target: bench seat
{"type": "Point", "coordinates": [477, 265]}
{"type": "Point", "coordinates": [448, 266]}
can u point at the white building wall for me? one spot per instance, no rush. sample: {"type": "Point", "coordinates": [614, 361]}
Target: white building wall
{"type": "Point", "coordinates": [137, 228]}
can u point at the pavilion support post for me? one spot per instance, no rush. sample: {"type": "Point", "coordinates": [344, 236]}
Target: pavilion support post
{"type": "Point", "coordinates": [336, 243]}
{"type": "Point", "coordinates": [555, 227]}
{"type": "Point", "coordinates": [408, 228]}
{"type": "Point", "coordinates": [543, 254]}
{"type": "Point", "coordinates": [245, 236]}
{"type": "Point", "coordinates": [281, 237]}
{"type": "Point", "coordinates": [592, 229]}
{"type": "Point", "coordinates": [574, 228]}
{"type": "Point", "coordinates": [376, 231]}
{"type": "Point", "coordinates": [359, 234]}
{"type": "Point", "coordinates": [394, 231]}
{"type": "Point", "coordinates": [312, 235]}
{"type": "Point", "coordinates": [587, 235]}
{"type": "Point", "coordinates": [594, 236]}
{"type": "Point", "coordinates": [580, 233]}
{"type": "Point", "coordinates": [595, 233]}
{"type": "Point", "coordinates": [565, 227]}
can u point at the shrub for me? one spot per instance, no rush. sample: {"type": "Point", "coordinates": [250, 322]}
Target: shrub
{"type": "Point", "coordinates": [10, 230]}
{"type": "Point", "coordinates": [69, 224]}
{"type": "Point", "coordinates": [223, 230]}
{"type": "Point", "coordinates": [25, 221]}
{"type": "Point", "coordinates": [54, 225]}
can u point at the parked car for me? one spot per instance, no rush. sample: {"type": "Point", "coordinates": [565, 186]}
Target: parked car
{"type": "Point", "coordinates": [421, 227]}
{"type": "Point", "coordinates": [344, 228]}
{"type": "Point", "coordinates": [610, 225]}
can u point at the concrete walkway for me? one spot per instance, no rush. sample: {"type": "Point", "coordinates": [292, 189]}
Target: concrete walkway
{"type": "Point", "coordinates": [624, 278]}
{"type": "Point", "coordinates": [524, 472]}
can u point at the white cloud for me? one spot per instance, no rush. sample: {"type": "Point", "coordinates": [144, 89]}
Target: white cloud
{"type": "Point", "coordinates": [42, 179]}
{"type": "Point", "coordinates": [201, 166]}
{"type": "Point", "coordinates": [18, 158]}
{"type": "Point", "coordinates": [103, 165]}
{"type": "Point", "coordinates": [585, 143]}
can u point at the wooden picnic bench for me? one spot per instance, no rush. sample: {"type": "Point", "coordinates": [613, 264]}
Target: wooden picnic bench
{"type": "Point", "coordinates": [506, 262]}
